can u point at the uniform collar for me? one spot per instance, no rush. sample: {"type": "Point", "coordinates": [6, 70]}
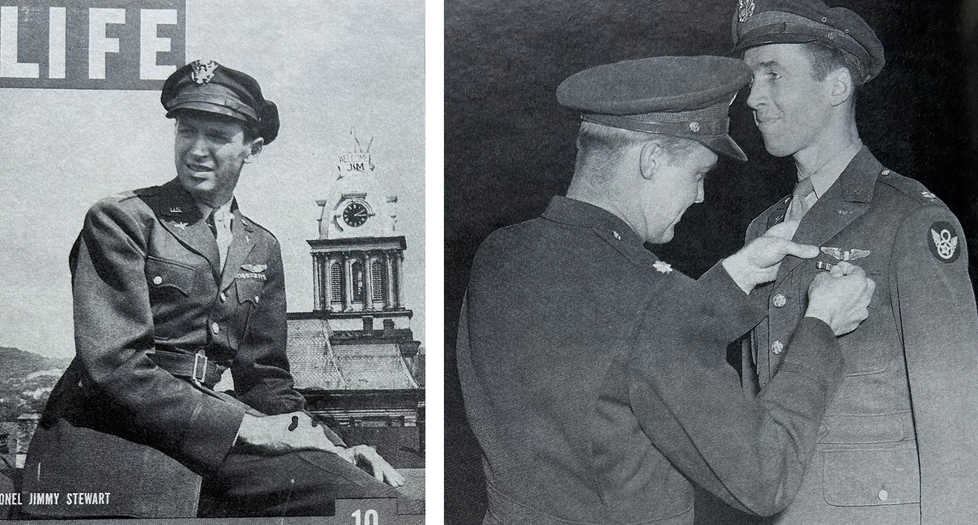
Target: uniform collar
{"type": "Point", "coordinates": [579, 213]}
{"type": "Point", "coordinates": [828, 173]}
{"type": "Point", "coordinates": [859, 177]}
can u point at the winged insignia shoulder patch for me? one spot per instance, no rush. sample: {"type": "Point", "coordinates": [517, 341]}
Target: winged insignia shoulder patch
{"type": "Point", "coordinates": [943, 242]}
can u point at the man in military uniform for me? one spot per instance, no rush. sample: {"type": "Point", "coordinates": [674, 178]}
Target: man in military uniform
{"type": "Point", "coordinates": [899, 443]}
{"type": "Point", "coordinates": [173, 286]}
{"type": "Point", "coordinates": [594, 375]}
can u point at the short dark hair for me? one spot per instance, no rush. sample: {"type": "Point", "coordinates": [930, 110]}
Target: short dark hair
{"type": "Point", "coordinates": [826, 59]}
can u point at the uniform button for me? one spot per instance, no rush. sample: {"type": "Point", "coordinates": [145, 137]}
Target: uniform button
{"type": "Point", "coordinates": [780, 300]}
{"type": "Point", "coordinates": [216, 328]}
{"type": "Point", "coordinates": [777, 347]}
{"type": "Point", "coordinates": [223, 297]}
{"type": "Point", "coordinates": [256, 299]}
{"type": "Point", "coordinates": [157, 280]}
{"type": "Point", "coordinates": [883, 495]}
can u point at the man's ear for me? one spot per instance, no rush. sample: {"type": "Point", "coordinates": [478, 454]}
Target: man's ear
{"type": "Point", "coordinates": [255, 149]}
{"type": "Point", "coordinates": [842, 86]}
{"type": "Point", "coordinates": [651, 159]}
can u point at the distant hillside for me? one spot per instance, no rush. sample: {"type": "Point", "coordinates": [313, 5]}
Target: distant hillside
{"type": "Point", "coordinates": [26, 380]}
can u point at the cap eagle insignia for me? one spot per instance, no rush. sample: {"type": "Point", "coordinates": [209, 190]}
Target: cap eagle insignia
{"type": "Point", "coordinates": [202, 72]}
{"type": "Point", "coordinates": [745, 10]}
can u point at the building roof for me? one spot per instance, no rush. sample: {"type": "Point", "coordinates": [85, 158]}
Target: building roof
{"type": "Point", "coordinates": [317, 364]}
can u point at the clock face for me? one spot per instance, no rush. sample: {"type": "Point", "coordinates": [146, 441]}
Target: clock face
{"type": "Point", "coordinates": [355, 214]}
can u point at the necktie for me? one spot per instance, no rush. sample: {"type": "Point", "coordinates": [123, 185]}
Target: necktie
{"type": "Point", "coordinates": [220, 223]}
{"type": "Point", "coordinates": [802, 200]}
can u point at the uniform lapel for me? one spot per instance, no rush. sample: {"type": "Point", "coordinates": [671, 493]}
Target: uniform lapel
{"type": "Point", "coordinates": [845, 201]}
{"type": "Point", "coordinates": [180, 216]}
{"type": "Point", "coordinates": [242, 242]}
{"type": "Point", "coordinates": [777, 212]}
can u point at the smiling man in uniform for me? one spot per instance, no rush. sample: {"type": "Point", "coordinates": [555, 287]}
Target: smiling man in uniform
{"type": "Point", "coordinates": [172, 287]}
{"type": "Point", "coordinates": [594, 375]}
{"type": "Point", "coordinates": [899, 443]}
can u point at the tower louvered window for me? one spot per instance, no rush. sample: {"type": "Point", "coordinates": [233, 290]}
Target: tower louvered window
{"type": "Point", "coordinates": [377, 274]}
{"type": "Point", "coordinates": [336, 283]}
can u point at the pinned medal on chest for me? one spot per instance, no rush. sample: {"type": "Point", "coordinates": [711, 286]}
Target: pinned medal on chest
{"type": "Point", "coordinates": [840, 254]}
{"type": "Point", "coordinates": [943, 242]}
{"type": "Point", "coordinates": [252, 271]}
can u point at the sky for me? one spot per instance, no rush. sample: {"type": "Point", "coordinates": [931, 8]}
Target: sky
{"type": "Point", "coordinates": [329, 66]}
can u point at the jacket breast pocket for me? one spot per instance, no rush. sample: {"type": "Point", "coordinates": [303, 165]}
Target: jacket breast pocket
{"type": "Point", "coordinates": [870, 477]}
{"type": "Point", "coordinates": [165, 276]}
{"type": "Point", "coordinates": [248, 290]}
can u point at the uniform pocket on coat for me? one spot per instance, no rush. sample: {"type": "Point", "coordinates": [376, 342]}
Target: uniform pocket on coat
{"type": "Point", "coordinates": [870, 477]}
{"type": "Point", "coordinates": [162, 274]}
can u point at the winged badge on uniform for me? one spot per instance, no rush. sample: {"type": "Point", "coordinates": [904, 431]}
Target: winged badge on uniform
{"type": "Point", "coordinates": [845, 255]}
{"type": "Point", "coordinates": [256, 268]}
{"type": "Point", "coordinates": [945, 242]}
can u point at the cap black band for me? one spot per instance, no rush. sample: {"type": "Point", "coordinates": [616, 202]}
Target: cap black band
{"type": "Point", "coordinates": [681, 128]}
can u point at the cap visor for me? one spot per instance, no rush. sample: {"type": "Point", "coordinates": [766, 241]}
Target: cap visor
{"type": "Point", "coordinates": [207, 107]}
{"type": "Point", "coordinates": [723, 145]}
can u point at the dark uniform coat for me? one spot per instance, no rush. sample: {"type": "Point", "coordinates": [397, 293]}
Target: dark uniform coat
{"type": "Point", "coordinates": [145, 278]}
{"type": "Point", "coordinates": [595, 380]}
{"type": "Point", "coordinates": [899, 443]}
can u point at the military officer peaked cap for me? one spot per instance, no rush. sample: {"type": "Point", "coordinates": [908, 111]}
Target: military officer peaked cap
{"type": "Point", "coordinates": [687, 97]}
{"type": "Point", "coordinates": [211, 87]}
{"type": "Point", "coordinates": [760, 22]}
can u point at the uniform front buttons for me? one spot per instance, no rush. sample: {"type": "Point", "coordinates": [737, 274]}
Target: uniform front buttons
{"type": "Point", "coordinates": [216, 328]}
{"type": "Point", "coordinates": [777, 347]}
{"type": "Point", "coordinates": [157, 280]}
{"type": "Point", "coordinates": [224, 297]}
{"type": "Point", "coordinates": [780, 300]}
{"type": "Point", "coordinates": [883, 495]}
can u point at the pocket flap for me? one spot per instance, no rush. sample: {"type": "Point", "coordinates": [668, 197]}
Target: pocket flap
{"type": "Point", "coordinates": [869, 477]}
{"type": "Point", "coordinates": [161, 273]}
{"type": "Point", "coordinates": [248, 290]}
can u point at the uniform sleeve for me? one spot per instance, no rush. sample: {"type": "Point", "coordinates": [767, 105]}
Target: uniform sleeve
{"type": "Point", "coordinates": [935, 307]}
{"type": "Point", "coordinates": [752, 453]}
{"type": "Point", "coordinates": [114, 333]}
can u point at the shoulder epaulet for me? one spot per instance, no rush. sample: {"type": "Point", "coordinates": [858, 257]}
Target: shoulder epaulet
{"type": "Point", "coordinates": [145, 192]}
{"type": "Point", "coordinates": [912, 188]}
{"type": "Point", "coordinates": [259, 226]}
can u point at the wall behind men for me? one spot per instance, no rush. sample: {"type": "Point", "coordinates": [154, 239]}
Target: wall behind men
{"type": "Point", "coordinates": [509, 146]}
{"type": "Point", "coordinates": [330, 66]}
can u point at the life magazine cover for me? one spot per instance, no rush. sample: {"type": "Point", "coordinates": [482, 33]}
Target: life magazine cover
{"type": "Point", "coordinates": [172, 171]}
{"type": "Point", "coordinates": [549, 371]}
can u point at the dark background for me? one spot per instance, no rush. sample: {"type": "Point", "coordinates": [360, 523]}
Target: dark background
{"type": "Point", "coordinates": [509, 146]}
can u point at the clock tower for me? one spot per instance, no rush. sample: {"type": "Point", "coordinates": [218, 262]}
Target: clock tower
{"type": "Point", "coordinates": [354, 356]}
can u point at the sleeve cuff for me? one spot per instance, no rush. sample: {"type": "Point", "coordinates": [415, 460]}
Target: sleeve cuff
{"type": "Point", "coordinates": [212, 432]}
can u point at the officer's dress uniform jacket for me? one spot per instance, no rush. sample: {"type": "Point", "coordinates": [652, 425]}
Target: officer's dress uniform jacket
{"type": "Point", "coordinates": [899, 443]}
{"type": "Point", "coordinates": [146, 280]}
{"type": "Point", "coordinates": [595, 380]}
